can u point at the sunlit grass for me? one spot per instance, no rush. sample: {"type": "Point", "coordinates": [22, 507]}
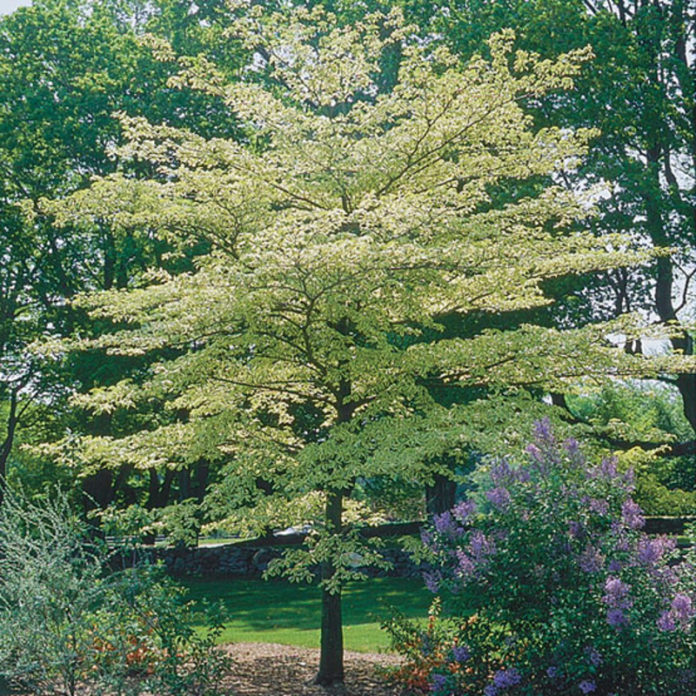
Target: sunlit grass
{"type": "Point", "coordinates": [280, 612]}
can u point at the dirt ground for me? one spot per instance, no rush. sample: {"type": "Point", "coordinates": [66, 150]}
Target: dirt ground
{"type": "Point", "coordinates": [268, 669]}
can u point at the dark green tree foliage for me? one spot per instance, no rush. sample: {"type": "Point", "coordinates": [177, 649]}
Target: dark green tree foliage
{"type": "Point", "coordinates": [639, 91]}
{"type": "Point", "coordinates": [66, 68]}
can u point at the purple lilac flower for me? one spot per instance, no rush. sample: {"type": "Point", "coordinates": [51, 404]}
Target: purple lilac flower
{"type": "Point", "coordinates": [439, 682]}
{"type": "Point", "coordinates": [614, 566]}
{"type": "Point", "coordinates": [535, 453]}
{"type": "Point", "coordinates": [432, 581]}
{"type": "Point", "coordinates": [522, 474]}
{"type": "Point", "coordinates": [666, 622]}
{"type": "Point", "coordinates": [632, 515]}
{"type": "Point", "coordinates": [460, 653]}
{"type": "Point", "coordinates": [444, 523]}
{"type": "Point", "coordinates": [499, 496]}
{"type": "Point", "coordinates": [616, 618]}
{"type": "Point", "coordinates": [575, 529]}
{"type": "Point", "coordinates": [594, 657]}
{"type": "Point", "coordinates": [506, 678]}
{"type": "Point", "coordinates": [543, 432]}
{"type": "Point", "coordinates": [587, 686]}
{"type": "Point", "coordinates": [552, 672]}
{"type": "Point", "coordinates": [465, 565]}
{"type": "Point", "coordinates": [462, 511]}
{"type": "Point", "coordinates": [616, 593]}
{"type": "Point", "coordinates": [682, 607]}
{"type": "Point", "coordinates": [598, 506]}
{"type": "Point", "coordinates": [481, 546]}
{"type": "Point", "coordinates": [622, 544]}
{"type": "Point", "coordinates": [608, 469]}
{"type": "Point", "coordinates": [572, 447]}
{"type": "Point", "coordinates": [490, 690]}
{"type": "Point", "coordinates": [591, 560]}
{"type": "Point", "coordinates": [650, 551]}
{"type": "Point", "coordinates": [616, 597]}
{"type": "Point", "coordinates": [667, 575]}
{"type": "Point", "coordinates": [501, 472]}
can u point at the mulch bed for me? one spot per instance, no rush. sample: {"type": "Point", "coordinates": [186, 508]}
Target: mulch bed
{"type": "Point", "coordinates": [268, 669]}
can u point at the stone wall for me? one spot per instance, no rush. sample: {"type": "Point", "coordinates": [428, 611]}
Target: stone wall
{"type": "Point", "coordinates": [235, 560]}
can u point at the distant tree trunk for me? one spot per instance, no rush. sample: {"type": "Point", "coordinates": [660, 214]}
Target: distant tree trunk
{"type": "Point", "coordinates": [201, 476]}
{"type": "Point", "coordinates": [6, 446]}
{"type": "Point", "coordinates": [331, 658]}
{"type": "Point", "coordinates": [158, 495]}
{"type": "Point", "coordinates": [98, 489]}
{"type": "Point", "coordinates": [440, 496]}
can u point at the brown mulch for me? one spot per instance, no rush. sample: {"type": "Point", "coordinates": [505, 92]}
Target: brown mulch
{"type": "Point", "coordinates": [269, 669]}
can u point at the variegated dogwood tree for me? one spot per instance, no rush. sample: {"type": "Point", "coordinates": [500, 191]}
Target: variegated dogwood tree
{"type": "Point", "coordinates": [358, 217]}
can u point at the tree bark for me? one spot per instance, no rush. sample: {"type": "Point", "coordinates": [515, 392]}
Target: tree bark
{"type": "Point", "coordinates": [331, 659]}
{"type": "Point", "coordinates": [6, 446]}
{"type": "Point", "coordinates": [158, 495]}
{"type": "Point", "coordinates": [440, 497]}
{"type": "Point", "coordinates": [98, 489]}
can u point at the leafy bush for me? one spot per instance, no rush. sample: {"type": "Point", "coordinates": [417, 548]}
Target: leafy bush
{"type": "Point", "coordinates": [143, 639]}
{"type": "Point", "coordinates": [68, 625]}
{"type": "Point", "coordinates": [568, 595]}
{"type": "Point", "coordinates": [423, 647]}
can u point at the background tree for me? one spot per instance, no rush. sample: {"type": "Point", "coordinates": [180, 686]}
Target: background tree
{"type": "Point", "coordinates": [356, 219]}
{"type": "Point", "coordinates": [65, 68]}
{"type": "Point", "coordinates": [639, 91]}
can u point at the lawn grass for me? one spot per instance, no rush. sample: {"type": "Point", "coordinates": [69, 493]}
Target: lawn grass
{"type": "Point", "coordinates": [277, 611]}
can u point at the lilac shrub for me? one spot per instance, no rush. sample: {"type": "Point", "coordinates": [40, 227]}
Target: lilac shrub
{"type": "Point", "coordinates": [568, 595]}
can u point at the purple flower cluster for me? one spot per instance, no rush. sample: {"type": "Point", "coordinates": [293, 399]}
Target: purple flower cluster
{"type": "Point", "coordinates": [599, 507]}
{"type": "Point", "coordinates": [650, 551]}
{"type": "Point", "coordinates": [591, 560]}
{"type": "Point", "coordinates": [438, 683]}
{"type": "Point", "coordinates": [587, 686]}
{"type": "Point", "coordinates": [632, 515]}
{"type": "Point", "coordinates": [475, 556]}
{"type": "Point", "coordinates": [499, 497]}
{"type": "Point", "coordinates": [576, 529]}
{"type": "Point", "coordinates": [679, 614]}
{"type": "Point", "coordinates": [503, 679]}
{"type": "Point", "coordinates": [594, 657]}
{"type": "Point", "coordinates": [464, 511]}
{"type": "Point", "coordinates": [432, 580]}
{"type": "Point", "coordinates": [618, 601]}
{"type": "Point", "coordinates": [460, 653]}
{"type": "Point", "coordinates": [445, 523]}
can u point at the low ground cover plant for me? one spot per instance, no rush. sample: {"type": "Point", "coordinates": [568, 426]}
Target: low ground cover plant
{"type": "Point", "coordinates": [551, 587]}
{"type": "Point", "coordinates": [70, 625]}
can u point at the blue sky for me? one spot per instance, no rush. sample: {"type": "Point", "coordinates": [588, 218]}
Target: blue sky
{"type": "Point", "coordinates": [9, 5]}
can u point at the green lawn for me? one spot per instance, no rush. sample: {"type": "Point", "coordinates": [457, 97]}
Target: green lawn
{"type": "Point", "coordinates": [280, 612]}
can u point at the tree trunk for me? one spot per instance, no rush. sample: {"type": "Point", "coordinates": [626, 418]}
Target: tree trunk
{"type": "Point", "coordinates": [441, 496]}
{"type": "Point", "coordinates": [158, 495]}
{"type": "Point", "coordinates": [6, 446]}
{"type": "Point", "coordinates": [331, 658]}
{"type": "Point", "coordinates": [98, 489]}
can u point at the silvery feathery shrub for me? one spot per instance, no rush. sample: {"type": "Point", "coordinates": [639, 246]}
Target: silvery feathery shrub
{"type": "Point", "coordinates": [69, 625]}
{"type": "Point", "coordinates": [51, 582]}
{"type": "Point", "coordinates": [555, 589]}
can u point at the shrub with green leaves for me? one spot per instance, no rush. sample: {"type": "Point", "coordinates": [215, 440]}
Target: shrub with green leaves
{"type": "Point", "coordinates": [68, 625]}
{"type": "Point", "coordinates": [562, 591]}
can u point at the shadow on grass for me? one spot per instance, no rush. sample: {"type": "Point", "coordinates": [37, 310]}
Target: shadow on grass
{"type": "Point", "coordinates": [260, 606]}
